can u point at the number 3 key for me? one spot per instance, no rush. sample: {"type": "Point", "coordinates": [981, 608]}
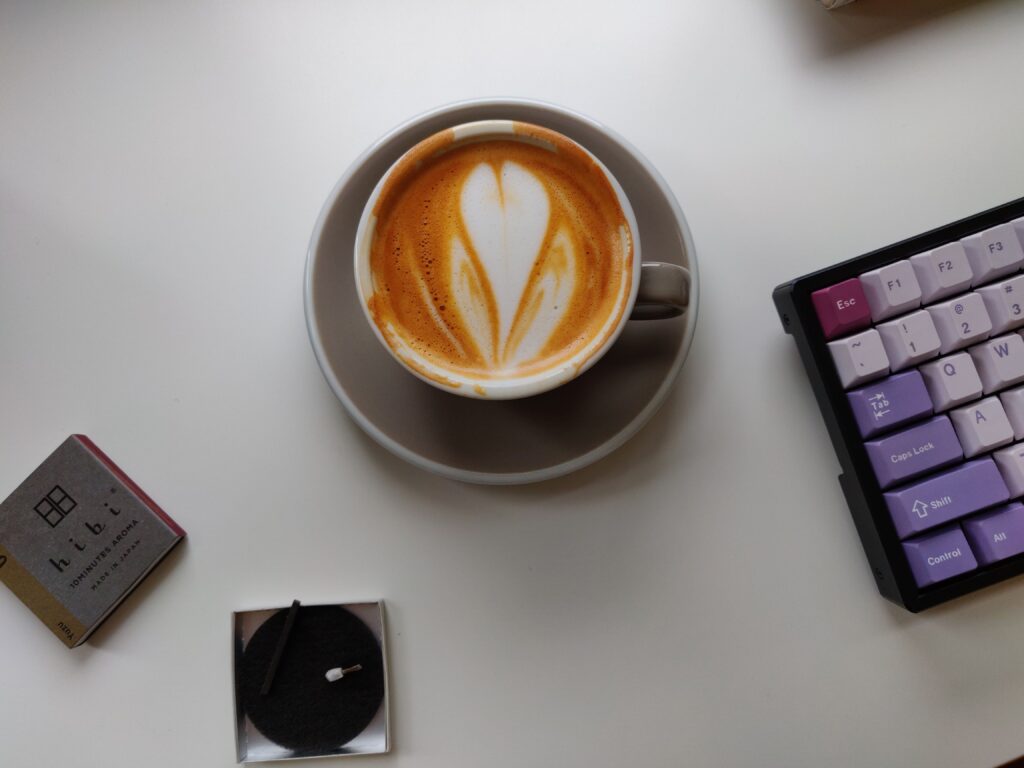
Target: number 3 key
{"type": "Point", "coordinates": [1005, 303]}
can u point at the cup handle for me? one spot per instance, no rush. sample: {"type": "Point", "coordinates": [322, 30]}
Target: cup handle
{"type": "Point", "coordinates": [664, 291]}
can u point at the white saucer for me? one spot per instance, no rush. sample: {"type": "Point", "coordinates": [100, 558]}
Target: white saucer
{"type": "Point", "coordinates": [510, 441]}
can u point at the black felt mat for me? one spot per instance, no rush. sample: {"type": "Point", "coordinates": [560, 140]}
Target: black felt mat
{"type": "Point", "coordinates": [303, 711]}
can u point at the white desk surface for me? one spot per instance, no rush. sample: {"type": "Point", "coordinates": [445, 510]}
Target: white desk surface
{"type": "Point", "coordinates": [700, 598]}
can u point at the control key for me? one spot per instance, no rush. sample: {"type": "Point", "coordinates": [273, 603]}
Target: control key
{"type": "Point", "coordinates": [939, 556]}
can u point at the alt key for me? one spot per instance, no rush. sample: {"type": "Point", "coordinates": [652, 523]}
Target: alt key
{"type": "Point", "coordinates": [998, 534]}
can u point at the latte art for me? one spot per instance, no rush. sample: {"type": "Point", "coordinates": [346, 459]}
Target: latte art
{"type": "Point", "coordinates": [498, 257]}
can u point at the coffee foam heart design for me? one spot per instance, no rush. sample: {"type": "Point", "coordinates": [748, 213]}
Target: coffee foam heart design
{"type": "Point", "coordinates": [507, 214]}
{"type": "Point", "coordinates": [497, 258]}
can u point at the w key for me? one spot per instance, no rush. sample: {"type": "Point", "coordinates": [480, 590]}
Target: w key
{"type": "Point", "coordinates": [1000, 362]}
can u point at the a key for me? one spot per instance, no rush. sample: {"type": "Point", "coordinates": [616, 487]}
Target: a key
{"type": "Point", "coordinates": [914, 451]}
{"type": "Point", "coordinates": [942, 271]}
{"type": "Point", "coordinates": [1004, 302]}
{"type": "Point", "coordinates": [998, 534]}
{"type": "Point", "coordinates": [951, 381]}
{"type": "Point", "coordinates": [891, 290]}
{"type": "Point", "coordinates": [1000, 362]}
{"type": "Point", "coordinates": [946, 496]}
{"type": "Point", "coordinates": [1013, 404]}
{"type": "Point", "coordinates": [961, 321]}
{"type": "Point", "coordinates": [909, 340]}
{"type": "Point", "coordinates": [982, 426]}
{"type": "Point", "coordinates": [939, 556]}
{"type": "Point", "coordinates": [993, 253]}
{"type": "Point", "coordinates": [890, 403]}
{"type": "Point", "coordinates": [859, 358]}
{"type": "Point", "coordinates": [842, 308]}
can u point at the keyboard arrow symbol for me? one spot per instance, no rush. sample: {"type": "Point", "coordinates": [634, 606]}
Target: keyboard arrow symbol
{"type": "Point", "coordinates": [921, 509]}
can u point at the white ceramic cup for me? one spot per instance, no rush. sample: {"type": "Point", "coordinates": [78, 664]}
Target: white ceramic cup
{"type": "Point", "coordinates": [655, 291]}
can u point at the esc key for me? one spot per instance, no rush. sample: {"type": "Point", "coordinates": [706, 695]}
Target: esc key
{"type": "Point", "coordinates": [842, 308]}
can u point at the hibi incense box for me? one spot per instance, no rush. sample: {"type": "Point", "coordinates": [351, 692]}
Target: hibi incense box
{"type": "Point", "coordinates": [77, 537]}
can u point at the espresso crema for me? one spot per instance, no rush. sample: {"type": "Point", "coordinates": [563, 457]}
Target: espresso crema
{"type": "Point", "coordinates": [498, 256]}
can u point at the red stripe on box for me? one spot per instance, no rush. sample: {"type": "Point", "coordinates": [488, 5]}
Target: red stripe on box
{"type": "Point", "coordinates": [115, 470]}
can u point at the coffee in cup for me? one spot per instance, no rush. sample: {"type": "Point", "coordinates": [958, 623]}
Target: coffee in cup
{"type": "Point", "coordinates": [497, 259]}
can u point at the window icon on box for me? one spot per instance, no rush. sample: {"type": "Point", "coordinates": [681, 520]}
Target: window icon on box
{"type": "Point", "coordinates": [55, 506]}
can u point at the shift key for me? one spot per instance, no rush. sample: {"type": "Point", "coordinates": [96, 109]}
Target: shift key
{"type": "Point", "coordinates": [912, 452]}
{"type": "Point", "coordinates": [948, 496]}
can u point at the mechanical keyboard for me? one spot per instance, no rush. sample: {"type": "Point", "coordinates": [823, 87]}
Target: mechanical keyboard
{"type": "Point", "coordinates": [915, 354]}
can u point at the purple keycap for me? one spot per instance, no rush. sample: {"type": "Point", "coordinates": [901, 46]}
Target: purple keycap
{"type": "Point", "coordinates": [890, 403]}
{"type": "Point", "coordinates": [998, 534]}
{"type": "Point", "coordinates": [937, 500]}
{"type": "Point", "coordinates": [939, 556]}
{"type": "Point", "coordinates": [842, 308]}
{"type": "Point", "coordinates": [914, 451]}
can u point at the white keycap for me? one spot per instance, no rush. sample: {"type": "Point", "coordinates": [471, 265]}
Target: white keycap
{"type": "Point", "coordinates": [981, 426]}
{"type": "Point", "coordinates": [993, 253]}
{"type": "Point", "coordinates": [1004, 302]}
{"type": "Point", "coordinates": [859, 358]}
{"type": "Point", "coordinates": [1013, 404]}
{"type": "Point", "coordinates": [942, 271]}
{"type": "Point", "coordinates": [1011, 466]}
{"type": "Point", "coordinates": [1000, 362]}
{"type": "Point", "coordinates": [961, 321]}
{"type": "Point", "coordinates": [951, 381]}
{"type": "Point", "coordinates": [910, 339]}
{"type": "Point", "coordinates": [1018, 227]}
{"type": "Point", "coordinates": [891, 290]}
